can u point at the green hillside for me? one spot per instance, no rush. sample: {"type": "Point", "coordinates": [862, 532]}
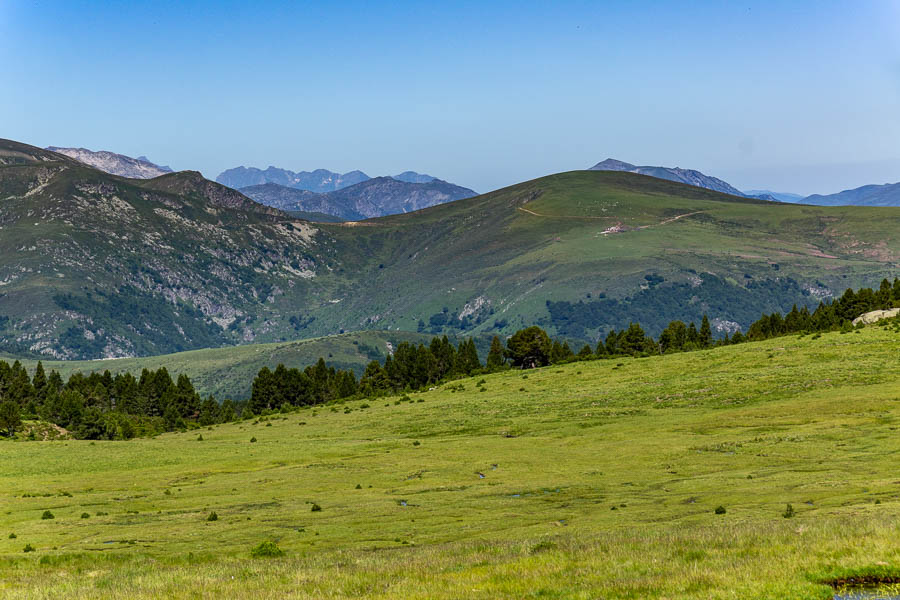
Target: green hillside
{"type": "Point", "coordinates": [637, 247]}
{"type": "Point", "coordinates": [596, 479]}
{"type": "Point", "coordinates": [95, 266]}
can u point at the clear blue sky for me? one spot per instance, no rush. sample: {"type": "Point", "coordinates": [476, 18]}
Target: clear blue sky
{"type": "Point", "coordinates": [792, 96]}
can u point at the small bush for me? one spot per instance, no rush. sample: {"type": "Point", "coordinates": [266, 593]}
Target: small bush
{"type": "Point", "coordinates": [85, 515]}
{"type": "Point", "coordinates": [542, 547]}
{"type": "Point", "coordinates": [266, 550]}
{"type": "Point", "coordinates": [12, 536]}
{"type": "Point", "coordinates": [253, 440]}
{"type": "Point", "coordinates": [417, 443]}
{"type": "Point", "coordinates": [200, 438]}
{"type": "Point", "coordinates": [720, 510]}
{"type": "Point", "coordinates": [788, 512]}
{"type": "Point", "coordinates": [28, 548]}
{"type": "Point", "coordinates": [316, 508]}
{"type": "Point", "coordinates": [358, 486]}
{"type": "Point", "coordinates": [212, 516]}
{"type": "Point", "coordinates": [268, 424]}
{"type": "Point", "coordinates": [47, 515]}
{"type": "Point", "coordinates": [100, 513]}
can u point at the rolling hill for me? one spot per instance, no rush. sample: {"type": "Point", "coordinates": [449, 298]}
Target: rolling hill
{"type": "Point", "coordinates": [93, 265]}
{"type": "Point", "coordinates": [516, 485]}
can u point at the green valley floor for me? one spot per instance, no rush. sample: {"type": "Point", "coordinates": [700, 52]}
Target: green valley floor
{"type": "Point", "coordinates": [591, 480]}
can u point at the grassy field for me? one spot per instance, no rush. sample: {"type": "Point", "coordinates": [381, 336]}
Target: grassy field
{"type": "Point", "coordinates": [590, 480]}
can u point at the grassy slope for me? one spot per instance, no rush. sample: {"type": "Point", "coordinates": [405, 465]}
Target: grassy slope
{"type": "Point", "coordinates": [543, 239]}
{"type": "Point", "coordinates": [228, 372]}
{"type": "Point", "coordinates": [664, 440]}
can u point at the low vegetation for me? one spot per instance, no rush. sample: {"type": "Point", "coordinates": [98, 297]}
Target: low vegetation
{"type": "Point", "coordinates": [509, 493]}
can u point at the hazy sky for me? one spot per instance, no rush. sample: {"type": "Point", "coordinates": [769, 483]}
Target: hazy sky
{"type": "Point", "coordinates": [790, 96]}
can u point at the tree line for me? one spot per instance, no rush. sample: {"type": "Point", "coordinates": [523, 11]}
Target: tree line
{"type": "Point", "coordinates": [102, 406]}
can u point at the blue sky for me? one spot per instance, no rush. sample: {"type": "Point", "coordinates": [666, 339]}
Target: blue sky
{"type": "Point", "coordinates": [790, 96]}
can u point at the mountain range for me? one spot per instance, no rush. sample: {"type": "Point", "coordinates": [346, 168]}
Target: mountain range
{"type": "Point", "coordinates": [115, 164]}
{"type": "Point", "coordinates": [375, 197]}
{"type": "Point", "coordinates": [867, 195]}
{"type": "Point", "coordinates": [319, 181]}
{"type": "Point", "coordinates": [94, 265]}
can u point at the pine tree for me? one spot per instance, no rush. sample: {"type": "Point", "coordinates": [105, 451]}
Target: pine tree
{"type": "Point", "coordinates": [706, 332]}
{"type": "Point", "coordinates": [39, 381]}
{"type": "Point", "coordinates": [495, 358]}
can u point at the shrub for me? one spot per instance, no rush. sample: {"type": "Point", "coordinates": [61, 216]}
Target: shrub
{"type": "Point", "coordinates": [417, 443]}
{"type": "Point", "coordinates": [28, 548]}
{"type": "Point", "coordinates": [316, 508]}
{"type": "Point", "coordinates": [200, 437]}
{"type": "Point", "coordinates": [212, 516]}
{"type": "Point", "coordinates": [788, 512]}
{"type": "Point", "coordinates": [85, 515]}
{"type": "Point", "coordinates": [720, 510]}
{"type": "Point", "coordinates": [358, 486]}
{"type": "Point", "coordinates": [47, 515]}
{"type": "Point", "coordinates": [253, 440]}
{"type": "Point", "coordinates": [266, 550]}
{"type": "Point", "coordinates": [542, 547]}
{"type": "Point", "coordinates": [12, 536]}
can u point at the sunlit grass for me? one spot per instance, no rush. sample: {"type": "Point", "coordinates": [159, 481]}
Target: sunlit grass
{"type": "Point", "coordinates": [598, 479]}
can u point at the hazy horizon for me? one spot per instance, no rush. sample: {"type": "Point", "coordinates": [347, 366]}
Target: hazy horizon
{"type": "Point", "coordinates": [766, 95]}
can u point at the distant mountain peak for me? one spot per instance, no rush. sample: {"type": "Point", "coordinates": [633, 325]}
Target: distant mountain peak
{"type": "Point", "coordinates": [413, 177]}
{"type": "Point", "coordinates": [688, 176]}
{"type": "Point", "coordinates": [612, 164]}
{"type": "Point", "coordinates": [114, 164]}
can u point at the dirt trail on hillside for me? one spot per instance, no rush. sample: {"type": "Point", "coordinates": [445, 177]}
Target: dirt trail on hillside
{"type": "Point", "coordinates": [663, 222]}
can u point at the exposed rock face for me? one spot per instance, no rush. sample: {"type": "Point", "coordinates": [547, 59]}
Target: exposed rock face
{"type": "Point", "coordinates": [132, 267]}
{"type": "Point", "coordinates": [875, 316]}
{"type": "Point", "coordinates": [115, 164]}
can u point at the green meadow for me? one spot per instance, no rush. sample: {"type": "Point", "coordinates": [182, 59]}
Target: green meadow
{"type": "Point", "coordinates": [597, 479]}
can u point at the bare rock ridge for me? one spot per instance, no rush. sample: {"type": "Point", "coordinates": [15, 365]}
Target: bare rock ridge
{"type": "Point", "coordinates": [114, 164]}
{"type": "Point", "coordinates": [688, 176]}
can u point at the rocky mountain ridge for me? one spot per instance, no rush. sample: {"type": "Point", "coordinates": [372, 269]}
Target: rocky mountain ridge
{"type": "Point", "coordinates": [114, 164]}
